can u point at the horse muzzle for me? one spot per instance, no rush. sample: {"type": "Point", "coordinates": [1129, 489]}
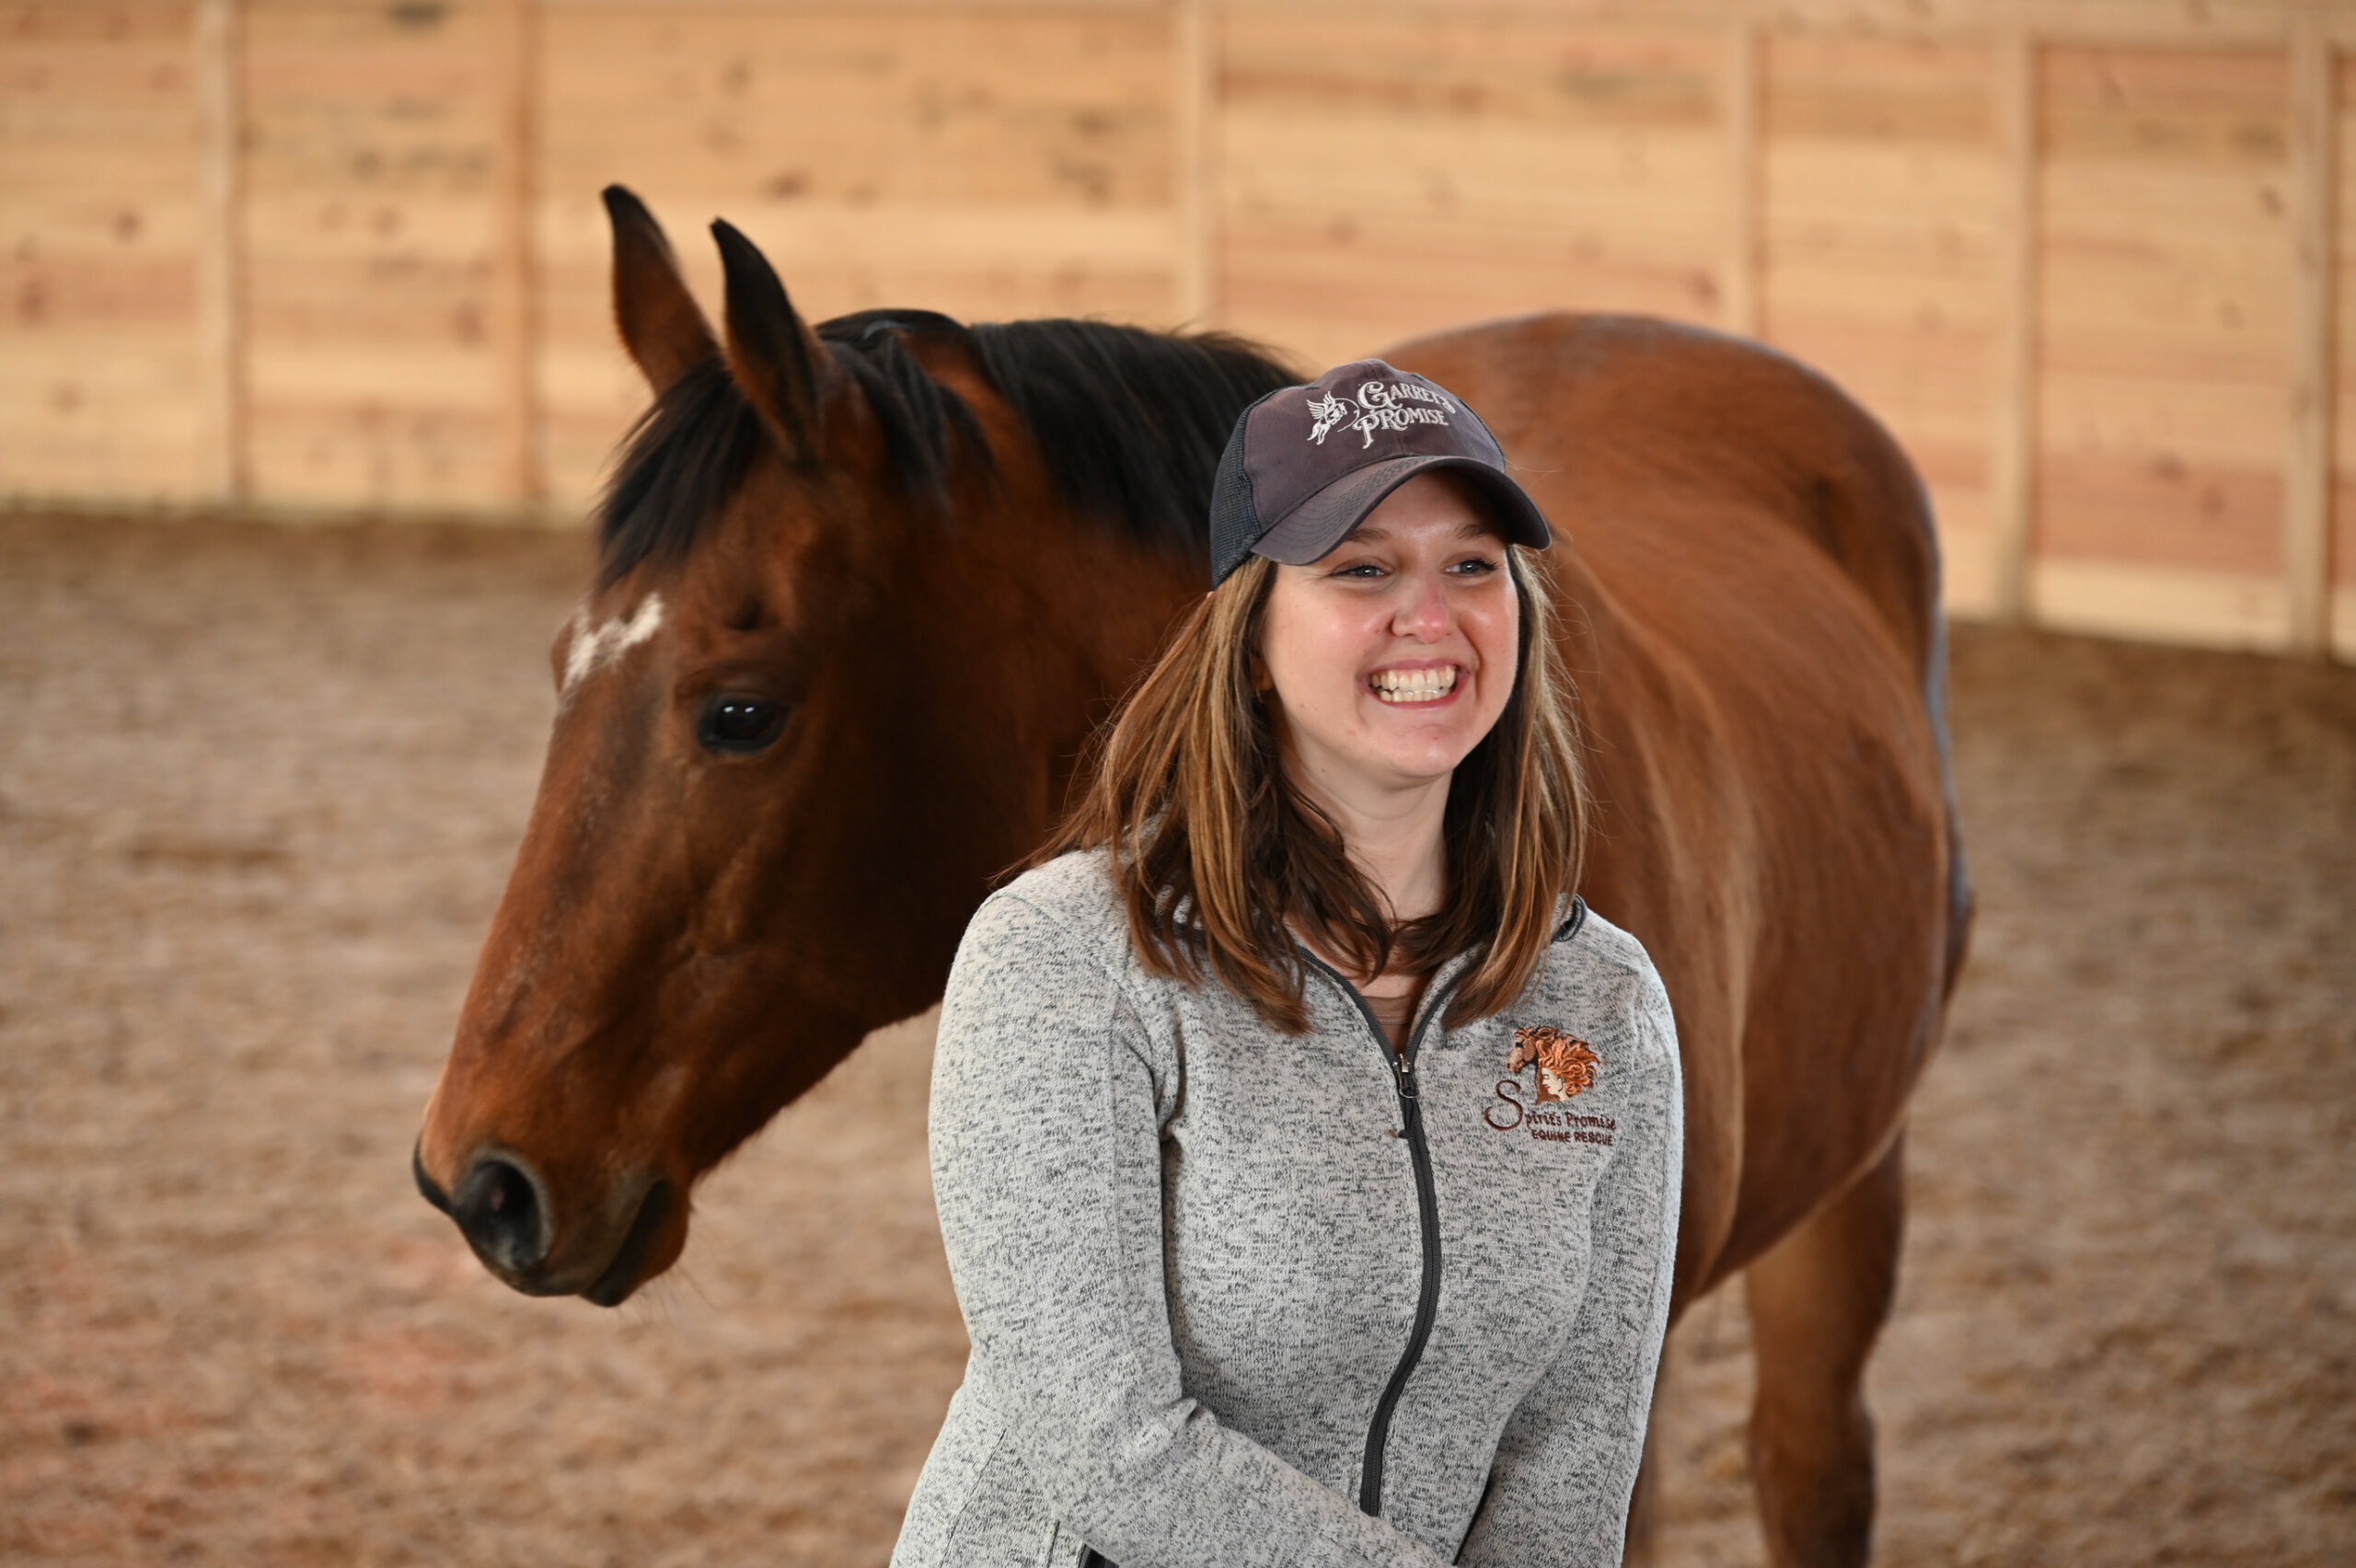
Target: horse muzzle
{"type": "Point", "coordinates": [503, 1206]}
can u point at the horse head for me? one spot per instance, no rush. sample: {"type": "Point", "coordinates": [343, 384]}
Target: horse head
{"type": "Point", "coordinates": [848, 638]}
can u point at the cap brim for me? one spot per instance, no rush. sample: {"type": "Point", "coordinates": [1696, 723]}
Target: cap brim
{"type": "Point", "coordinates": [1325, 519]}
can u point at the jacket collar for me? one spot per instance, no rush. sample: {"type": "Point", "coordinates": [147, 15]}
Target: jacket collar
{"type": "Point", "coordinates": [1572, 918]}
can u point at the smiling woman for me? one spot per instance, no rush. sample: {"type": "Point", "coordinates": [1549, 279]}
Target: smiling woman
{"type": "Point", "coordinates": [1210, 1140]}
{"type": "Point", "coordinates": [1386, 663]}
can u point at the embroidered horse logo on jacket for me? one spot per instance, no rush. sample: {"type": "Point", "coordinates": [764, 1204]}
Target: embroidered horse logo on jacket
{"type": "Point", "coordinates": [1567, 1065]}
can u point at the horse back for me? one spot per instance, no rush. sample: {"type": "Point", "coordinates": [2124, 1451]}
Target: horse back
{"type": "Point", "coordinates": [1750, 578]}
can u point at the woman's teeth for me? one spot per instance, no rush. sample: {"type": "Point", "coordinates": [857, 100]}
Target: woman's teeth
{"type": "Point", "coordinates": [1414, 685]}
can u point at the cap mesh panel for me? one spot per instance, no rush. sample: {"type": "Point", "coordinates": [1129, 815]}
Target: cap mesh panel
{"type": "Point", "coordinates": [1235, 522]}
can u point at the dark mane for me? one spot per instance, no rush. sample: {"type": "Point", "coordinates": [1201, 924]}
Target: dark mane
{"type": "Point", "coordinates": [684, 458]}
{"type": "Point", "coordinates": [1130, 424]}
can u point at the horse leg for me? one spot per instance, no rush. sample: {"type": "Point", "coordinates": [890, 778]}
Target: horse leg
{"type": "Point", "coordinates": [1818, 1300]}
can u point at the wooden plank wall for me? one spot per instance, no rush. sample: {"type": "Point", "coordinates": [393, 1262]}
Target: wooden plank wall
{"type": "Point", "coordinates": [989, 162]}
{"type": "Point", "coordinates": [1391, 169]}
{"type": "Point", "coordinates": [368, 236]}
{"type": "Point", "coordinates": [2164, 332]}
{"type": "Point", "coordinates": [100, 191]}
{"type": "Point", "coordinates": [2093, 260]}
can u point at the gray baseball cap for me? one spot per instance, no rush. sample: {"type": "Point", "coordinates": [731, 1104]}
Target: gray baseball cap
{"type": "Point", "coordinates": [1306, 464]}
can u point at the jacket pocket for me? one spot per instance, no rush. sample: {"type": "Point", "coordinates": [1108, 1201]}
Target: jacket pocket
{"type": "Point", "coordinates": [1066, 1550]}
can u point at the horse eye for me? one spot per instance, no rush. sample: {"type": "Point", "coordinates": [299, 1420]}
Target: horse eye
{"type": "Point", "coordinates": [740, 724]}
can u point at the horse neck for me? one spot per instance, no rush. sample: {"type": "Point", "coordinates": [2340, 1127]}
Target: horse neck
{"type": "Point", "coordinates": [1103, 599]}
{"type": "Point", "coordinates": [1091, 595]}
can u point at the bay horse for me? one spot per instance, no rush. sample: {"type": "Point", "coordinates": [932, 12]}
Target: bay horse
{"type": "Point", "coordinates": [867, 588]}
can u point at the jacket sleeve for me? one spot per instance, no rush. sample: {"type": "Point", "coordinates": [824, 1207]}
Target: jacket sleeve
{"type": "Point", "coordinates": [1566, 1466]}
{"type": "Point", "coordinates": [1047, 1106]}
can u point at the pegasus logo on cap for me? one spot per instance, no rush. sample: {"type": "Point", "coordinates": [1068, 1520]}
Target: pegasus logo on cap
{"type": "Point", "coordinates": [1379, 405]}
{"type": "Point", "coordinates": [1325, 412]}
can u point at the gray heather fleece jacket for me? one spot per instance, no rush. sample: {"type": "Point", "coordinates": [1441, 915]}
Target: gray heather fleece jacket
{"type": "Point", "coordinates": [1237, 1297]}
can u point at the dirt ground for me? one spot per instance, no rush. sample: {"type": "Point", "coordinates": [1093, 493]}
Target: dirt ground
{"type": "Point", "coordinates": [258, 788]}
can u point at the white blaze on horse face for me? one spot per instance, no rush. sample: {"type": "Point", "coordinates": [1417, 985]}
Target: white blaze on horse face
{"type": "Point", "coordinates": [590, 651]}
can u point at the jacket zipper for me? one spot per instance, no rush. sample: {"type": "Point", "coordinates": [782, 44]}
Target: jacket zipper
{"type": "Point", "coordinates": [1419, 1154]}
{"type": "Point", "coordinates": [1411, 1115]}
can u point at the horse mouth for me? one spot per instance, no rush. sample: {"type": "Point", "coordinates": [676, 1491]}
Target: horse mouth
{"type": "Point", "coordinates": [621, 1276]}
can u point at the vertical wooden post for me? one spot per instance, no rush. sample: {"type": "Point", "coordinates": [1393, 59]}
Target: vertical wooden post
{"type": "Point", "coordinates": [2306, 521]}
{"type": "Point", "coordinates": [1194, 191]}
{"type": "Point", "coordinates": [2012, 437]}
{"type": "Point", "coordinates": [1746, 176]}
{"type": "Point", "coordinates": [220, 253]}
{"type": "Point", "coordinates": [515, 66]}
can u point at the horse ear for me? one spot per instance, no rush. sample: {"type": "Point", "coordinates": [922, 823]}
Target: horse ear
{"type": "Point", "coordinates": [775, 358]}
{"type": "Point", "coordinates": [660, 323]}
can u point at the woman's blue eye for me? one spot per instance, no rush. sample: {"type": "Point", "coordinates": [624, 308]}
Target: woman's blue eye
{"type": "Point", "coordinates": [1366, 571]}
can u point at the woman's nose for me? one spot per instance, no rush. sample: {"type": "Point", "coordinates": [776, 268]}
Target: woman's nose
{"type": "Point", "coordinates": [1423, 611]}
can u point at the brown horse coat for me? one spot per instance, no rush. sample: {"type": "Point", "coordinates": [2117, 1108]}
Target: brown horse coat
{"type": "Point", "coordinates": [1755, 636]}
{"type": "Point", "coordinates": [799, 737]}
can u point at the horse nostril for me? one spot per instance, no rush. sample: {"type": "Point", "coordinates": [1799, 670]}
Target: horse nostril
{"type": "Point", "coordinates": [499, 1209]}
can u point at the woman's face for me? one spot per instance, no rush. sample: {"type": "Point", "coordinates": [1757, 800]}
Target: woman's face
{"type": "Point", "coordinates": [1392, 656]}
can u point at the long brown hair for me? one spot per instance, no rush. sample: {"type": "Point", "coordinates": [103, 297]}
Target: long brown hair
{"type": "Point", "coordinates": [1220, 859]}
